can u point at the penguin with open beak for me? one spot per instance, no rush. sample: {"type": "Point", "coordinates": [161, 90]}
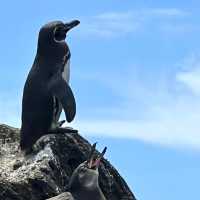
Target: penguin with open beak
{"type": "Point", "coordinates": [84, 182]}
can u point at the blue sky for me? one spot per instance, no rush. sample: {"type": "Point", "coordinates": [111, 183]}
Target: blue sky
{"type": "Point", "coordinates": [135, 72]}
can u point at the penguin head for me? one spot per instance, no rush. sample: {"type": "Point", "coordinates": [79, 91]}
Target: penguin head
{"type": "Point", "coordinates": [61, 29]}
{"type": "Point", "coordinates": [86, 174]}
{"type": "Point", "coordinates": [52, 35]}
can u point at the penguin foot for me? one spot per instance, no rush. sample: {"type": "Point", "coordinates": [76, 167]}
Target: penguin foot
{"type": "Point", "coordinates": [68, 130]}
{"type": "Point", "coordinates": [61, 123]}
{"type": "Point", "coordinates": [63, 130]}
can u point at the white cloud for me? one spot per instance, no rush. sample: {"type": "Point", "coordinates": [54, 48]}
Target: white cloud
{"type": "Point", "coordinates": [114, 24]}
{"type": "Point", "coordinates": [175, 126]}
{"type": "Point", "coordinates": [191, 80]}
{"type": "Point", "coordinates": [167, 131]}
{"type": "Point", "coordinates": [115, 16]}
{"type": "Point", "coordinates": [110, 24]}
{"type": "Point", "coordinates": [170, 12]}
{"type": "Point", "coordinates": [167, 119]}
{"type": "Point", "coordinates": [191, 76]}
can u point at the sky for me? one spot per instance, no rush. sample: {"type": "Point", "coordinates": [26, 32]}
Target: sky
{"type": "Point", "coordinates": [135, 74]}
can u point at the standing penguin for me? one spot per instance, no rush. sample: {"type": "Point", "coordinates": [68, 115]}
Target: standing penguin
{"type": "Point", "coordinates": [47, 89]}
{"type": "Point", "coordinates": [84, 182]}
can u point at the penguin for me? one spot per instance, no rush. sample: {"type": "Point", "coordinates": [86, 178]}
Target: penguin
{"type": "Point", "coordinates": [84, 184]}
{"type": "Point", "coordinates": [46, 90]}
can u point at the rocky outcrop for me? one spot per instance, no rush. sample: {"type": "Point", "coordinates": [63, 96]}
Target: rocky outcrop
{"type": "Point", "coordinates": [45, 173]}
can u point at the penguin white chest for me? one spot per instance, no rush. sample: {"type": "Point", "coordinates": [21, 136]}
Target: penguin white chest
{"type": "Point", "coordinates": [66, 71]}
{"type": "Point", "coordinates": [57, 107]}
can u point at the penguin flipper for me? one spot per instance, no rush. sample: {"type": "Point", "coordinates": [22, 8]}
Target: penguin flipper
{"type": "Point", "coordinates": [61, 90]}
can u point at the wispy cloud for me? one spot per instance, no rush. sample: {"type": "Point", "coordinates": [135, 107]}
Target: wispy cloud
{"type": "Point", "coordinates": [110, 24]}
{"type": "Point", "coordinates": [190, 77]}
{"type": "Point", "coordinates": [167, 131]}
{"type": "Point", "coordinates": [170, 12]}
{"type": "Point", "coordinates": [167, 119]}
{"type": "Point", "coordinates": [113, 24]}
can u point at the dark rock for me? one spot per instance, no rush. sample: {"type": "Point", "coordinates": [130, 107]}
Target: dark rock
{"type": "Point", "coordinates": [45, 173]}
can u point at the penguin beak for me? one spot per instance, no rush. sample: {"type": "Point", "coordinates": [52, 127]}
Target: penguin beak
{"type": "Point", "coordinates": [94, 163]}
{"type": "Point", "coordinates": [98, 160]}
{"type": "Point", "coordinates": [91, 155]}
{"type": "Point", "coordinates": [71, 25]}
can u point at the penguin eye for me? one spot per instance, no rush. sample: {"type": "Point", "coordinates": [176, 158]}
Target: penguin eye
{"type": "Point", "coordinates": [59, 33]}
